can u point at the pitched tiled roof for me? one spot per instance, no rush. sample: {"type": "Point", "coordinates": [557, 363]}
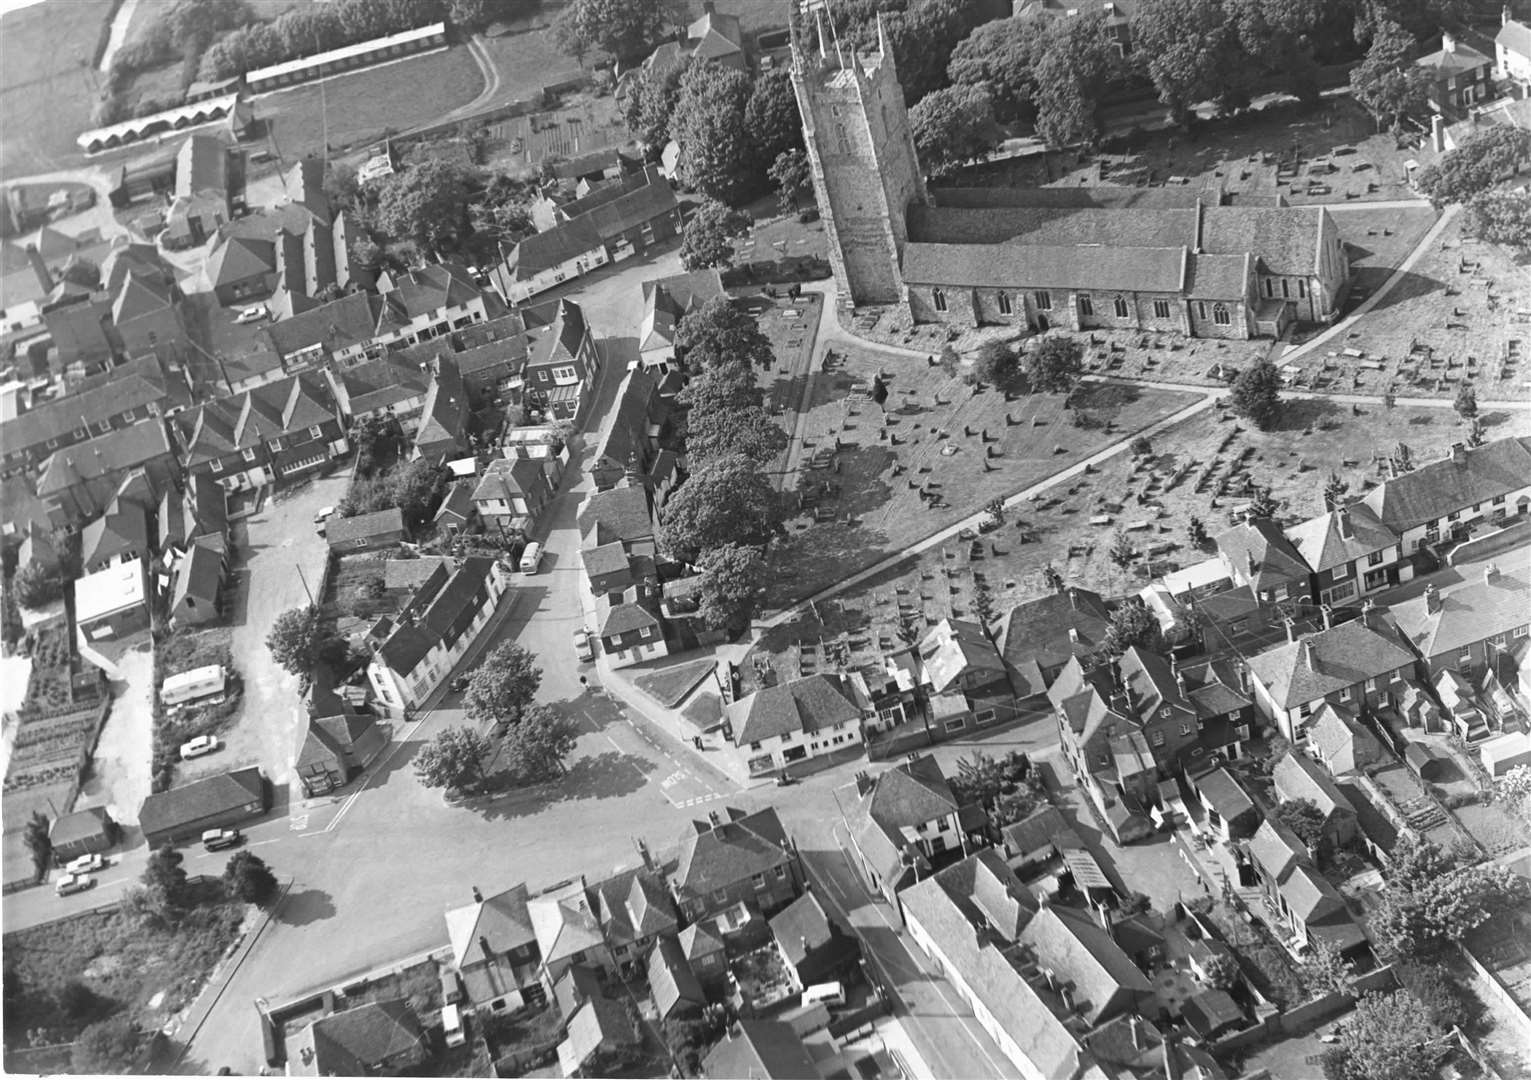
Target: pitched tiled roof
{"type": "Point", "coordinates": [1340, 537]}
{"type": "Point", "coordinates": [1442, 487]}
{"type": "Point", "coordinates": [339, 324]}
{"type": "Point", "coordinates": [671, 978]}
{"type": "Point", "coordinates": [619, 514]}
{"type": "Point", "coordinates": [1277, 849]}
{"type": "Point", "coordinates": [1218, 277]}
{"type": "Point", "coordinates": [628, 436]}
{"type": "Point", "coordinates": [356, 1041]}
{"type": "Point", "coordinates": [767, 1049]}
{"type": "Point", "coordinates": [1039, 829]}
{"type": "Point", "coordinates": [1224, 793]}
{"type": "Point", "coordinates": [1261, 552]}
{"type": "Point", "coordinates": [1489, 603]}
{"type": "Point", "coordinates": [199, 575]}
{"type": "Point", "coordinates": [134, 385]}
{"type": "Point", "coordinates": [804, 927]}
{"type": "Point", "coordinates": [957, 647]}
{"type": "Point", "coordinates": [381, 384]}
{"type": "Point", "coordinates": [1141, 269]}
{"type": "Point", "coordinates": [543, 251]}
{"type": "Point", "coordinates": [1297, 776]}
{"type": "Point", "coordinates": [563, 922]}
{"type": "Point", "coordinates": [430, 288]}
{"type": "Point", "coordinates": [911, 794]}
{"type": "Point", "coordinates": [502, 919]}
{"type": "Point", "coordinates": [697, 942]}
{"type": "Point", "coordinates": [239, 258]}
{"type": "Point", "coordinates": [180, 806]}
{"type": "Point", "coordinates": [1454, 61]}
{"type": "Point", "coordinates": [119, 450]}
{"type": "Point", "coordinates": [561, 341]}
{"type": "Point", "coordinates": [343, 530]}
{"type": "Point", "coordinates": [1325, 662]}
{"type": "Point", "coordinates": [442, 611]}
{"type": "Point", "coordinates": [1515, 37]}
{"type": "Point", "coordinates": [716, 856]}
{"type": "Point", "coordinates": [201, 165]}
{"type": "Point", "coordinates": [626, 617]}
{"type": "Point", "coordinates": [1077, 948]}
{"type": "Point", "coordinates": [295, 403]}
{"type": "Point", "coordinates": [444, 415]}
{"type": "Point", "coordinates": [1037, 226]}
{"type": "Point", "coordinates": [1048, 630]}
{"type": "Point", "coordinates": [1102, 196]}
{"type": "Point", "coordinates": [808, 704]}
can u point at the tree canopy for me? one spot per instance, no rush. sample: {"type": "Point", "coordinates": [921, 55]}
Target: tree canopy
{"type": "Point", "coordinates": [534, 748]}
{"type": "Point", "coordinates": [952, 126]}
{"type": "Point", "coordinates": [717, 149]}
{"type": "Point", "coordinates": [1189, 48]}
{"type": "Point", "coordinates": [1256, 394]}
{"type": "Point", "coordinates": [426, 204]}
{"type": "Point", "coordinates": [454, 759]}
{"type": "Point", "coordinates": [107, 1046]}
{"type": "Point", "coordinates": [792, 177]}
{"type": "Point", "coordinates": [734, 579]}
{"type": "Point", "coordinates": [299, 640]}
{"type": "Point", "coordinates": [725, 501]}
{"type": "Point", "coordinates": [771, 116]}
{"type": "Point", "coordinates": [1501, 217]}
{"type": "Point", "coordinates": [37, 585]}
{"type": "Point", "coordinates": [1387, 1037]}
{"type": "Point", "coordinates": [1077, 63]}
{"type": "Point", "coordinates": [248, 878]}
{"type": "Point", "coordinates": [1054, 363]}
{"type": "Point", "coordinates": [1132, 623]}
{"type": "Point", "coordinates": [39, 843]}
{"type": "Point", "coordinates": [1475, 166]}
{"type": "Point", "coordinates": [1305, 820]}
{"type": "Point", "coordinates": [503, 686]}
{"type": "Point", "coordinates": [707, 240]}
{"type": "Point", "coordinates": [719, 332]}
{"type": "Point", "coordinates": [622, 29]}
{"type": "Point", "coordinates": [1387, 81]}
{"type": "Point", "coordinates": [1001, 56]}
{"type": "Point", "coordinates": [1431, 898]}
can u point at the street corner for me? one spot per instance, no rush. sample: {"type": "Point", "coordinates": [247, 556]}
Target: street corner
{"type": "Point", "coordinates": [683, 789]}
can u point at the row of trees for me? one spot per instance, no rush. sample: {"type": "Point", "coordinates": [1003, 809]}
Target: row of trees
{"type": "Point", "coordinates": [314, 28]}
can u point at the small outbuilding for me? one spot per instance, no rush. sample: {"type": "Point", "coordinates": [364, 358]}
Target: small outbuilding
{"type": "Point", "coordinates": [184, 813]}
{"type": "Point", "coordinates": [366, 532]}
{"type": "Point", "coordinates": [83, 832]}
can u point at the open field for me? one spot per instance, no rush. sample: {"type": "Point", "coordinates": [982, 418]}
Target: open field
{"type": "Point", "coordinates": [47, 82]}
{"type": "Point", "coordinates": [1137, 495]}
{"type": "Point", "coordinates": [528, 59]}
{"type": "Point", "coordinates": [363, 106]}
{"type": "Point", "coordinates": [147, 11]}
{"type": "Point", "coordinates": [878, 479]}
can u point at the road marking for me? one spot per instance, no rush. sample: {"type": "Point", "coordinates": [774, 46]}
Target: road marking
{"type": "Point", "coordinates": [299, 823]}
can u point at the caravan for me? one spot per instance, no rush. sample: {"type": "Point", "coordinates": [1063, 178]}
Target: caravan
{"type": "Point", "coordinates": [199, 686]}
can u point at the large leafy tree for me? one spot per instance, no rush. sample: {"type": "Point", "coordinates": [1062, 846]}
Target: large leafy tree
{"type": "Point", "coordinates": [622, 29]}
{"type": "Point", "coordinates": [1305, 820]}
{"type": "Point", "coordinates": [1501, 217]}
{"type": "Point", "coordinates": [792, 177]}
{"type": "Point", "coordinates": [37, 585]}
{"type": "Point", "coordinates": [734, 578]}
{"type": "Point", "coordinates": [426, 204]}
{"type": "Point", "coordinates": [952, 126]}
{"type": "Point", "coordinates": [921, 36]}
{"type": "Point", "coordinates": [1388, 1037]}
{"type": "Point", "coordinates": [1189, 49]}
{"type": "Point", "coordinates": [503, 686]}
{"type": "Point", "coordinates": [1132, 624]}
{"type": "Point", "coordinates": [1475, 166]}
{"type": "Point", "coordinates": [725, 501]}
{"type": "Point", "coordinates": [1324, 971]}
{"type": "Point", "coordinates": [771, 116]}
{"type": "Point", "coordinates": [535, 748]}
{"type": "Point", "coordinates": [1387, 81]}
{"type": "Point", "coordinates": [647, 100]}
{"type": "Point", "coordinates": [107, 1046]}
{"type": "Point", "coordinates": [717, 152]}
{"type": "Point", "coordinates": [718, 332]}
{"type": "Point", "coordinates": [1432, 898]}
{"type": "Point", "coordinates": [981, 778]}
{"type": "Point", "coordinates": [246, 877]}
{"type": "Point", "coordinates": [454, 759]}
{"type": "Point", "coordinates": [707, 240]}
{"type": "Point", "coordinates": [165, 881]}
{"type": "Point", "coordinates": [1001, 56]}
{"type": "Point", "coordinates": [39, 844]}
{"type": "Point", "coordinates": [1256, 394]}
{"type": "Point", "coordinates": [726, 417]}
{"type": "Point", "coordinates": [997, 363]}
{"type": "Point", "coordinates": [298, 640]}
{"type": "Point", "coordinates": [1054, 363]}
{"type": "Point", "coordinates": [1077, 62]}
{"type": "Point", "coordinates": [1279, 37]}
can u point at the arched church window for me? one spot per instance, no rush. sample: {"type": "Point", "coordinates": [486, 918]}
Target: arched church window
{"type": "Point", "coordinates": [1220, 314]}
{"type": "Point", "coordinates": [1121, 307]}
{"type": "Point", "coordinates": [1003, 300]}
{"type": "Point", "coordinates": [938, 298]}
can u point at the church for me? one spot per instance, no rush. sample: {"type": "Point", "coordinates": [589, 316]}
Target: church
{"type": "Point", "coordinates": [1179, 260]}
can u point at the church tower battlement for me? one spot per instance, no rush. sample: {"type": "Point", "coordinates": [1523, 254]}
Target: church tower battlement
{"type": "Point", "coordinates": [862, 158]}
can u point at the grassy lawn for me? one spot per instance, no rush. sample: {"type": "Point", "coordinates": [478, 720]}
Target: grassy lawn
{"type": "Point", "coordinates": [705, 710]}
{"type": "Point", "coordinates": [47, 83]}
{"type": "Point", "coordinates": [185, 649]}
{"type": "Point", "coordinates": [365, 105]}
{"type": "Point", "coordinates": [529, 59]}
{"type": "Point", "coordinates": [937, 434]}
{"type": "Point", "coordinates": [669, 685]}
{"type": "Point", "coordinates": [152, 973]}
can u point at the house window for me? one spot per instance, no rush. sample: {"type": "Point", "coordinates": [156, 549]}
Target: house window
{"type": "Point", "coordinates": [567, 373]}
{"type": "Point", "coordinates": [956, 725]}
{"type": "Point", "coordinates": [1003, 300]}
{"type": "Point", "coordinates": [1220, 315]}
{"type": "Point", "coordinates": [1120, 304]}
{"type": "Point", "coordinates": [754, 746]}
{"type": "Point", "coordinates": [1186, 727]}
{"type": "Point", "coordinates": [1241, 732]}
{"type": "Point", "coordinates": [277, 445]}
{"type": "Point", "coordinates": [1158, 739]}
{"type": "Point", "coordinates": [215, 465]}
{"type": "Point", "coordinates": [938, 298]}
{"type": "Point", "coordinates": [759, 880]}
{"type": "Point", "coordinates": [646, 632]}
{"type": "Point", "coordinates": [1086, 306]}
{"type": "Point", "coordinates": [1302, 289]}
{"type": "Point", "coordinates": [984, 717]}
{"type": "Point", "coordinates": [1044, 301]}
{"type": "Point", "coordinates": [1465, 657]}
{"type": "Point", "coordinates": [249, 453]}
{"type": "Point", "coordinates": [1161, 309]}
{"type": "Point", "coordinates": [1345, 694]}
{"type": "Point", "coordinates": [315, 432]}
{"type": "Point", "coordinates": [106, 425]}
{"type": "Point", "coordinates": [1270, 287]}
{"type": "Point", "coordinates": [719, 896]}
{"type": "Point", "coordinates": [781, 873]}
{"type": "Point", "coordinates": [1286, 289]}
{"type": "Point", "coordinates": [1371, 686]}
{"type": "Point", "coordinates": [1451, 82]}
{"type": "Point", "coordinates": [1375, 558]}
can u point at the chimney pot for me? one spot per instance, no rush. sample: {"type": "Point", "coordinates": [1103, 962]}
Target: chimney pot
{"type": "Point", "coordinates": [1491, 572]}
{"type": "Point", "coordinates": [1448, 43]}
{"type": "Point", "coordinates": [1309, 653]}
{"type": "Point", "coordinates": [1432, 599]}
{"type": "Point", "coordinates": [712, 816]}
{"type": "Point", "coordinates": [1459, 453]}
{"type": "Point", "coordinates": [1074, 634]}
{"type": "Point", "coordinates": [478, 897]}
{"type": "Point", "coordinates": [1291, 627]}
{"type": "Point", "coordinates": [1328, 615]}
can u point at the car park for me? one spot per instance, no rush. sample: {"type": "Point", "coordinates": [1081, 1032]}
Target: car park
{"type": "Point", "coordinates": [202, 744]}
{"type": "Point", "coordinates": [582, 648]}
{"type": "Point", "coordinates": [218, 839]}
{"type": "Point", "coordinates": [73, 883]}
{"type": "Point", "coordinates": [85, 863]}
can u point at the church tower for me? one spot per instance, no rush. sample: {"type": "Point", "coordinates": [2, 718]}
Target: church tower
{"type": "Point", "coordinates": [861, 154]}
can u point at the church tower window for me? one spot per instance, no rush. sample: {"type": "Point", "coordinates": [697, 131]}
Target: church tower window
{"type": "Point", "coordinates": [938, 298]}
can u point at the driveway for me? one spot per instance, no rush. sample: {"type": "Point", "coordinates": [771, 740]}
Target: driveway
{"type": "Point", "coordinates": [123, 762]}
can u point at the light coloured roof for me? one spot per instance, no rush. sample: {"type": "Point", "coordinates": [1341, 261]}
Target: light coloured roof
{"type": "Point", "coordinates": [1496, 599]}
{"type": "Point", "coordinates": [109, 591]}
{"type": "Point", "coordinates": [500, 919]}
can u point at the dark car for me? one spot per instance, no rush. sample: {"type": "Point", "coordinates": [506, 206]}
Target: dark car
{"type": "Point", "coordinates": [218, 839]}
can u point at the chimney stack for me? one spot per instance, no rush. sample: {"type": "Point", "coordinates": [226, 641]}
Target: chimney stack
{"type": "Point", "coordinates": [712, 816]}
{"type": "Point", "coordinates": [39, 268]}
{"type": "Point", "coordinates": [1438, 134]}
{"type": "Point", "coordinates": [1327, 613]}
{"type": "Point", "coordinates": [1448, 43]}
{"type": "Point", "coordinates": [1309, 653]}
{"type": "Point", "coordinates": [863, 783]}
{"type": "Point", "coordinates": [1432, 599]}
{"type": "Point", "coordinates": [478, 897]}
{"type": "Point", "coordinates": [1342, 522]}
{"type": "Point", "coordinates": [483, 944]}
{"type": "Point", "coordinates": [1459, 454]}
{"type": "Point", "coordinates": [1491, 573]}
{"type": "Point", "coordinates": [1137, 1032]}
{"type": "Point", "coordinates": [1291, 627]}
{"type": "Point", "coordinates": [1074, 634]}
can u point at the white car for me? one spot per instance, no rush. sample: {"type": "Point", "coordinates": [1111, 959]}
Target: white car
{"type": "Point", "coordinates": [86, 863]}
{"type": "Point", "coordinates": [252, 314]}
{"type": "Point", "coordinates": [202, 744]}
{"type": "Point", "coordinates": [73, 883]}
{"type": "Point", "coordinates": [582, 647]}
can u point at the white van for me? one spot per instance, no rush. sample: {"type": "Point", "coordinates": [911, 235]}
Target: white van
{"type": "Point", "coordinates": [451, 1025]}
{"type": "Point", "coordinates": [831, 994]}
{"type": "Point", "coordinates": [202, 686]}
{"type": "Point", "coordinates": [531, 558]}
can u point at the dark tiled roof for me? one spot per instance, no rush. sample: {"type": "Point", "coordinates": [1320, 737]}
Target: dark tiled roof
{"type": "Point", "coordinates": [364, 1036]}
{"type": "Point", "coordinates": [558, 245]}
{"type": "Point", "coordinates": [199, 576]}
{"type": "Point", "coordinates": [1470, 611]}
{"type": "Point", "coordinates": [344, 530]}
{"type": "Point", "coordinates": [1260, 551]}
{"type": "Point", "coordinates": [1219, 277]}
{"type": "Point", "coordinates": [1445, 486]}
{"type": "Point", "coordinates": [339, 324]}
{"type": "Point", "coordinates": [619, 514]}
{"type": "Point", "coordinates": [1137, 269]}
{"type": "Point", "coordinates": [239, 258]}
{"type": "Point", "coordinates": [1043, 631]}
{"type": "Point", "coordinates": [1327, 661]}
{"type": "Point", "coordinates": [1103, 196]}
{"type": "Point", "coordinates": [802, 928]}
{"type": "Point", "coordinates": [1039, 829]}
{"type": "Point", "coordinates": [1225, 795]}
{"type": "Point", "coordinates": [1297, 776]}
{"type": "Point", "coordinates": [1340, 537]}
{"type": "Point", "coordinates": [123, 449]}
{"type": "Point", "coordinates": [911, 793]}
{"type": "Point", "coordinates": [716, 856]}
{"type": "Point", "coordinates": [444, 613]}
{"type": "Point", "coordinates": [809, 704]}
{"type": "Point", "coordinates": [1079, 949]}
{"type": "Point", "coordinates": [502, 919]}
{"type": "Point", "coordinates": [671, 978]}
{"type": "Point", "coordinates": [180, 806]}
{"type": "Point", "coordinates": [1276, 849]}
{"type": "Point", "coordinates": [768, 1049]}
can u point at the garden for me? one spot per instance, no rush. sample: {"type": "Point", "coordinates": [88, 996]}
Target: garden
{"type": "Point", "coordinates": [179, 651]}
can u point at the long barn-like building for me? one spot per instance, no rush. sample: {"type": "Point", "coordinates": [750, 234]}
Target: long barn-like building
{"type": "Point", "coordinates": [1170, 259]}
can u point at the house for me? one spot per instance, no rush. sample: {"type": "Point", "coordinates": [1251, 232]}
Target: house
{"type": "Point", "coordinates": [494, 949]}
{"type": "Point", "coordinates": [630, 213]}
{"type": "Point", "coordinates": [769, 1049]}
{"type": "Point", "coordinates": [1450, 497]}
{"type": "Point", "coordinates": [619, 516]}
{"type": "Point", "coordinates": [430, 301]}
{"type": "Point", "coordinates": [1211, 1013]}
{"type": "Point", "coordinates": [202, 510]}
{"type": "Point", "coordinates": [413, 653]}
{"type": "Point", "coordinates": [81, 833]}
{"type": "Point", "coordinates": [339, 334]}
{"type": "Point", "coordinates": [1298, 778]}
{"type": "Point", "coordinates": [1043, 634]}
{"type": "Point", "coordinates": [1039, 837]}
{"type": "Point", "coordinates": [123, 532]}
{"type": "Point", "coordinates": [675, 987]}
{"type": "Point", "coordinates": [1274, 852]}
{"type": "Point", "coordinates": [443, 430]}
{"type": "Point", "coordinates": [964, 677]}
{"type": "Point", "coordinates": [815, 946]}
{"type": "Point", "coordinates": [513, 492]}
{"type": "Point", "coordinates": [78, 483]}
{"type": "Point", "coordinates": [366, 532]}
{"type": "Point", "coordinates": [184, 812]}
{"type": "Point", "coordinates": [240, 269]}
{"type": "Point", "coordinates": [1338, 740]}
{"type": "Point", "coordinates": [1351, 554]}
{"type": "Point", "coordinates": [705, 953]}
{"type": "Point", "coordinates": [795, 721]}
{"type": "Point", "coordinates": [1360, 664]}
{"type": "Point", "coordinates": [113, 603]}
{"type": "Point", "coordinates": [196, 594]}
{"type": "Point", "coordinates": [1230, 813]}
{"type": "Point", "coordinates": [1072, 946]}
{"type": "Point", "coordinates": [737, 860]}
{"type": "Point", "coordinates": [1512, 52]}
{"type": "Point", "coordinates": [593, 167]}
{"type": "Point", "coordinates": [628, 449]}
{"type": "Point", "coordinates": [630, 631]}
{"type": "Point", "coordinates": [717, 37]}
{"type": "Point", "coordinates": [146, 317]}
{"type": "Point", "coordinates": [1459, 77]}
{"type": "Point", "coordinates": [666, 301]}
{"type": "Point", "coordinates": [562, 363]}
{"type": "Point", "coordinates": [1473, 625]}
{"type": "Point", "coordinates": [635, 910]}
{"type": "Point", "coordinates": [201, 202]}
{"type": "Point", "coordinates": [904, 816]}
{"type": "Point", "coordinates": [568, 933]}
{"type": "Point", "coordinates": [340, 738]}
{"type": "Point", "coordinates": [1500, 754]}
{"type": "Point", "coordinates": [386, 387]}
{"type": "Point", "coordinates": [375, 1038]}
{"type": "Point", "coordinates": [545, 259]}
{"type": "Point", "coordinates": [273, 432]}
{"type": "Point", "coordinates": [968, 919]}
{"type": "Point", "coordinates": [599, 1032]}
{"type": "Point", "coordinates": [1259, 555]}
{"type": "Point", "coordinates": [1314, 911]}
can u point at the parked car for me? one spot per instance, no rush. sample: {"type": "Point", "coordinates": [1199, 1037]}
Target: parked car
{"type": "Point", "coordinates": [252, 314]}
{"type": "Point", "coordinates": [324, 515]}
{"type": "Point", "coordinates": [202, 744]}
{"type": "Point", "coordinates": [73, 883]}
{"type": "Point", "coordinates": [218, 839]}
{"type": "Point", "coordinates": [459, 684]}
{"type": "Point", "coordinates": [86, 863]}
{"type": "Point", "coordinates": [582, 647]}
